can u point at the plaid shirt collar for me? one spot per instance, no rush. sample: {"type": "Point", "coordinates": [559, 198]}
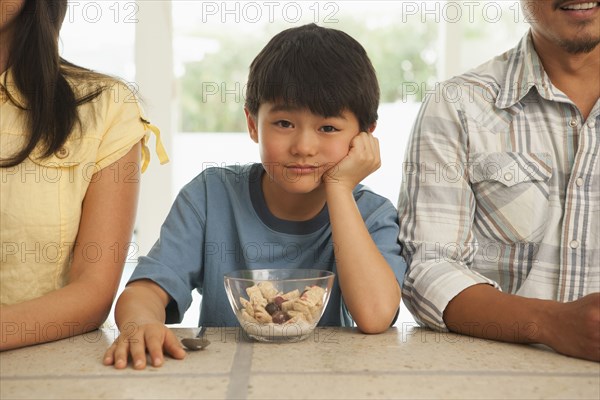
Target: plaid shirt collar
{"type": "Point", "coordinates": [525, 71]}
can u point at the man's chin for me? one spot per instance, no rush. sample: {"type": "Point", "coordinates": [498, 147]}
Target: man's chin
{"type": "Point", "coordinates": [580, 46]}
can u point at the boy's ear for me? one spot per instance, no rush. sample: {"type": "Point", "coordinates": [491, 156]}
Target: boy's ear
{"type": "Point", "coordinates": [251, 122]}
{"type": "Point", "coordinates": [372, 127]}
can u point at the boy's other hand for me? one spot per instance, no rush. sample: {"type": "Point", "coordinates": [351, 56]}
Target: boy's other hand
{"type": "Point", "coordinates": [136, 340]}
{"type": "Point", "coordinates": [575, 328]}
{"type": "Point", "coordinates": [362, 160]}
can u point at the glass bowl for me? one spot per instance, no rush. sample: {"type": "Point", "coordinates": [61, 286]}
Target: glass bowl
{"type": "Point", "coordinates": [274, 305]}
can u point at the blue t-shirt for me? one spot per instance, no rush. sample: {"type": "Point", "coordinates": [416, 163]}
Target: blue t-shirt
{"type": "Point", "coordinates": [220, 222]}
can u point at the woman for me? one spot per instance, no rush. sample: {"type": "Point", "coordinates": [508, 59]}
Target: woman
{"type": "Point", "coordinates": [71, 144]}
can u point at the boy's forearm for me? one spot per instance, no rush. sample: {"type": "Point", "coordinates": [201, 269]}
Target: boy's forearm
{"type": "Point", "coordinates": [483, 311]}
{"type": "Point", "coordinates": [139, 304]}
{"type": "Point", "coordinates": [368, 284]}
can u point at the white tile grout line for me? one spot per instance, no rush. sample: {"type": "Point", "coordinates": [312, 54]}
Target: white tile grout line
{"type": "Point", "coordinates": [239, 377]}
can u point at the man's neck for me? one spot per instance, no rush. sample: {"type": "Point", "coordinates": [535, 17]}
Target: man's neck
{"type": "Point", "coordinates": [576, 75]}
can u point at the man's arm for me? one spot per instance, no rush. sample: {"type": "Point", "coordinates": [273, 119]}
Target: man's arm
{"type": "Point", "coordinates": [436, 214]}
{"type": "Point", "coordinates": [569, 328]}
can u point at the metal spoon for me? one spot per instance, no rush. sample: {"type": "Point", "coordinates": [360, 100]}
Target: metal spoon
{"type": "Point", "coordinates": [196, 343]}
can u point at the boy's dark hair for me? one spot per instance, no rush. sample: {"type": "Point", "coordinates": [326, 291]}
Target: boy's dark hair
{"type": "Point", "coordinates": [324, 70]}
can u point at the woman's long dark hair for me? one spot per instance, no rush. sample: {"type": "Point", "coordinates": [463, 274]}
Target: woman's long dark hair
{"type": "Point", "coordinates": [40, 76]}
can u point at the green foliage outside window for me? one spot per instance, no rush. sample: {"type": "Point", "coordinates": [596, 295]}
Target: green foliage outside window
{"type": "Point", "coordinates": [212, 90]}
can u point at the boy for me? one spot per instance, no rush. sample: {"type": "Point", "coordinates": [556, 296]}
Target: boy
{"type": "Point", "coordinates": [311, 107]}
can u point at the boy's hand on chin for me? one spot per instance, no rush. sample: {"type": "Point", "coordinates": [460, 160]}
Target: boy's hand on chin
{"type": "Point", "coordinates": [362, 160]}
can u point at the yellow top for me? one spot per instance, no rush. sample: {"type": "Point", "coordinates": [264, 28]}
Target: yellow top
{"type": "Point", "coordinates": [41, 198]}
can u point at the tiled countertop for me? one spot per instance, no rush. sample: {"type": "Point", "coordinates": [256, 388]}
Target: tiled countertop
{"type": "Point", "coordinates": [332, 363]}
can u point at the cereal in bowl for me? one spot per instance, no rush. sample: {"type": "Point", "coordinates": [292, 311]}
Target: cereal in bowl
{"type": "Point", "coordinates": [265, 305]}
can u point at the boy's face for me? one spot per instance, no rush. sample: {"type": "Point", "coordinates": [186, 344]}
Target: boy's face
{"type": "Point", "coordinates": [297, 146]}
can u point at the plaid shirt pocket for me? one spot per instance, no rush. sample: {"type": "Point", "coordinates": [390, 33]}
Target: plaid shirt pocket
{"type": "Point", "coordinates": [512, 195]}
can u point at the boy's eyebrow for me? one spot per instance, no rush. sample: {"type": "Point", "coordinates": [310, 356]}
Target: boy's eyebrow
{"type": "Point", "coordinates": [289, 107]}
{"type": "Point", "coordinates": [283, 107]}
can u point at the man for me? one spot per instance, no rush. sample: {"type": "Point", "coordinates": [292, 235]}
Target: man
{"type": "Point", "coordinates": [500, 200]}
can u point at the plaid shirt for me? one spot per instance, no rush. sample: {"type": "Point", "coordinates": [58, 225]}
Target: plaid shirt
{"type": "Point", "coordinates": [500, 186]}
